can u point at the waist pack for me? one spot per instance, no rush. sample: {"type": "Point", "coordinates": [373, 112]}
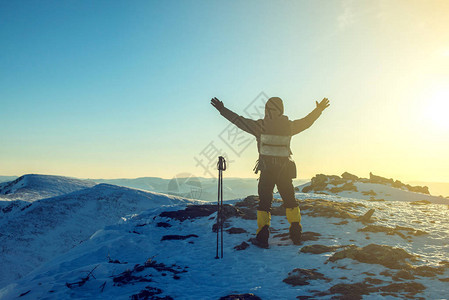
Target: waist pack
{"type": "Point", "coordinates": [284, 165]}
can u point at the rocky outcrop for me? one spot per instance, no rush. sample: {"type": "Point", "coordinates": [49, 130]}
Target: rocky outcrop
{"type": "Point", "coordinates": [331, 183]}
{"type": "Point", "coordinates": [387, 256]}
{"type": "Point", "coordinates": [319, 249]}
{"type": "Point", "coordinates": [303, 276]}
{"type": "Point", "coordinates": [379, 179]}
{"type": "Point", "coordinates": [349, 176]}
{"type": "Point", "coordinates": [398, 184]}
{"type": "Point", "coordinates": [357, 290]}
{"type": "Point", "coordinates": [247, 296]}
{"type": "Point", "coordinates": [336, 184]}
{"type": "Point", "coordinates": [329, 209]}
{"type": "Point", "coordinates": [198, 211]}
{"type": "Point", "coordinates": [393, 230]}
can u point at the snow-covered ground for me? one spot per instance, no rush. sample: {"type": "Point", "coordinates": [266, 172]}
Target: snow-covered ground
{"type": "Point", "coordinates": [33, 187]}
{"type": "Point", "coordinates": [136, 239]}
{"type": "Point", "coordinates": [109, 242]}
{"type": "Point", "coordinates": [46, 228]}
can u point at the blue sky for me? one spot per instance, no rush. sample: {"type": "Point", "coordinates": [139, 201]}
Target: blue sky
{"type": "Point", "coordinates": [122, 89]}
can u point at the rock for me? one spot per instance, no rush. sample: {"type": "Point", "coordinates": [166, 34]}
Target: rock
{"type": "Point", "coordinates": [198, 211]}
{"type": "Point", "coordinates": [390, 257]}
{"type": "Point", "coordinates": [329, 209]}
{"type": "Point", "coordinates": [248, 213]}
{"type": "Point", "coordinates": [373, 280]}
{"type": "Point", "coordinates": [247, 296]}
{"type": "Point", "coordinates": [378, 179]}
{"type": "Point", "coordinates": [428, 271]}
{"type": "Point", "coordinates": [310, 236]}
{"type": "Point", "coordinates": [412, 288]}
{"type": "Point", "coordinates": [236, 230]}
{"type": "Point", "coordinates": [366, 218]}
{"type": "Point", "coordinates": [319, 249]}
{"type": "Point", "coordinates": [242, 246]}
{"type": "Point", "coordinates": [344, 222]}
{"type": "Point", "coordinates": [420, 202]}
{"type": "Point", "coordinates": [369, 193]}
{"type": "Point", "coordinates": [418, 189]}
{"type": "Point", "coordinates": [163, 224]}
{"type": "Point", "coordinates": [444, 263]}
{"type": "Point", "coordinates": [352, 290]}
{"type": "Point", "coordinates": [303, 276]}
{"type": "Point", "coordinates": [403, 274]}
{"type": "Point", "coordinates": [349, 176]}
{"type": "Point", "coordinates": [348, 186]}
{"type": "Point", "coordinates": [147, 293]}
{"type": "Point", "coordinates": [444, 279]}
{"type": "Point", "coordinates": [393, 231]}
{"type": "Point", "coordinates": [277, 211]}
{"type": "Point", "coordinates": [177, 237]}
{"type": "Point", "coordinates": [249, 202]}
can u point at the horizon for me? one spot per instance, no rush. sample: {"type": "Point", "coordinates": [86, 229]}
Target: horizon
{"type": "Point", "coordinates": [435, 188]}
{"type": "Point", "coordinates": [202, 177]}
{"type": "Point", "coordinates": [113, 90]}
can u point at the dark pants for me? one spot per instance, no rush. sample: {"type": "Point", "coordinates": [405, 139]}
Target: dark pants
{"type": "Point", "coordinates": [276, 173]}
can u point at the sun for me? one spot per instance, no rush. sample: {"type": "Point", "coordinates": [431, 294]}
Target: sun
{"type": "Point", "coordinates": [437, 108]}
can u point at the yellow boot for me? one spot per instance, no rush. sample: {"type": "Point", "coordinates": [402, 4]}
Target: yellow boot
{"type": "Point", "coordinates": [263, 233]}
{"type": "Point", "coordinates": [263, 219]}
{"type": "Point", "coordinates": [294, 218]}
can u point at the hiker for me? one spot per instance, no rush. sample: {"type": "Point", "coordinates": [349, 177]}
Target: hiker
{"type": "Point", "coordinates": [273, 134]}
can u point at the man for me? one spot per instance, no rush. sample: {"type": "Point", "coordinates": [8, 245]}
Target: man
{"type": "Point", "coordinates": [273, 134]}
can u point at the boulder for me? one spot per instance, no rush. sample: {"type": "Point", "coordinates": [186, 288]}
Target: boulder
{"type": "Point", "coordinates": [349, 176]}
{"type": "Point", "coordinates": [198, 211]}
{"type": "Point", "coordinates": [387, 256]}
{"type": "Point", "coordinates": [247, 296]}
{"type": "Point", "coordinates": [329, 209]}
{"type": "Point", "coordinates": [241, 246]}
{"type": "Point", "coordinates": [366, 218]}
{"type": "Point", "coordinates": [303, 276]}
{"type": "Point", "coordinates": [378, 179]}
{"type": "Point", "coordinates": [319, 249]}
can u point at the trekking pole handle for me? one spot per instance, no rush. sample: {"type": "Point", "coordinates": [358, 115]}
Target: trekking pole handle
{"type": "Point", "coordinates": [221, 165]}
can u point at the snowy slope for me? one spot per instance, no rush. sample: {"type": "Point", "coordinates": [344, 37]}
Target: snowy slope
{"type": "Point", "coordinates": [48, 227]}
{"type": "Point", "coordinates": [132, 258]}
{"type": "Point", "coordinates": [32, 187]}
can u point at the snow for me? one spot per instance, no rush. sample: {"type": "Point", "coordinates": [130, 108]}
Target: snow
{"type": "Point", "coordinates": [259, 271]}
{"type": "Point", "coordinates": [52, 226]}
{"type": "Point", "coordinates": [33, 187]}
{"type": "Point", "coordinates": [59, 240]}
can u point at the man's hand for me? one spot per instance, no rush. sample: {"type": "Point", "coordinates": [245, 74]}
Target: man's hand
{"type": "Point", "coordinates": [217, 103]}
{"type": "Point", "coordinates": [323, 104]}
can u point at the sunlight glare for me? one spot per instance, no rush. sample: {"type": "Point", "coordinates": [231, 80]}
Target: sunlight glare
{"type": "Point", "coordinates": [437, 108]}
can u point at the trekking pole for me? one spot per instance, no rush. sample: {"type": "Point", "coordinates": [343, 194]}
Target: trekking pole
{"type": "Point", "coordinates": [221, 166]}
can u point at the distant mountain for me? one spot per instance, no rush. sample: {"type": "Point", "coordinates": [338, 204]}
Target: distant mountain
{"type": "Point", "coordinates": [32, 187]}
{"type": "Point", "coordinates": [192, 187]}
{"type": "Point", "coordinates": [48, 227]}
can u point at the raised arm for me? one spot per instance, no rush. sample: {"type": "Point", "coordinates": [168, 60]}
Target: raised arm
{"type": "Point", "coordinates": [304, 123]}
{"type": "Point", "coordinates": [243, 123]}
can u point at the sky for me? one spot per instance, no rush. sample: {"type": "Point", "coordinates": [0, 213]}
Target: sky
{"type": "Point", "coordinates": [122, 89]}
